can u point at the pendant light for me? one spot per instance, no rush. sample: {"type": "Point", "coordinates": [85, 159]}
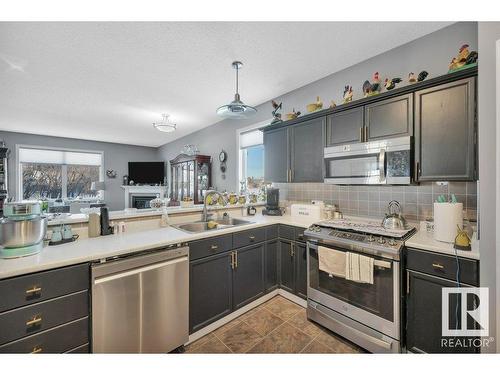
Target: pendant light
{"type": "Point", "coordinates": [165, 125]}
{"type": "Point", "coordinates": [236, 109]}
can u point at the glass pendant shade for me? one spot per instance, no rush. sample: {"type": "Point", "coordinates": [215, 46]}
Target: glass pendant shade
{"type": "Point", "coordinates": [236, 109]}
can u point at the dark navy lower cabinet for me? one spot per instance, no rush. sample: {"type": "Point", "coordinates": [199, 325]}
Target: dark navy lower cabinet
{"type": "Point", "coordinates": [210, 290]}
{"type": "Point", "coordinates": [45, 312]}
{"type": "Point", "coordinates": [301, 271]}
{"type": "Point", "coordinates": [426, 275]}
{"type": "Point", "coordinates": [287, 266]}
{"type": "Point", "coordinates": [271, 265]}
{"type": "Point", "coordinates": [248, 275]}
{"type": "Point", "coordinates": [293, 260]}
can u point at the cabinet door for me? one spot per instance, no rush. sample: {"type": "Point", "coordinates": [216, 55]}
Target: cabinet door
{"type": "Point", "coordinates": [271, 265]}
{"type": "Point", "coordinates": [287, 266]}
{"type": "Point", "coordinates": [306, 150]}
{"type": "Point", "coordinates": [301, 270]}
{"type": "Point", "coordinates": [390, 118]}
{"type": "Point", "coordinates": [344, 127]}
{"type": "Point", "coordinates": [248, 275]}
{"type": "Point", "coordinates": [423, 315]}
{"type": "Point", "coordinates": [210, 290]}
{"type": "Point", "coordinates": [276, 155]}
{"type": "Point", "coordinates": [445, 131]}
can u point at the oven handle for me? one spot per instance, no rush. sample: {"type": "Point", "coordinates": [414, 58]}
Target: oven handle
{"type": "Point", "coordinates": [384, 344]}
{"type": "Point", "coordinates": [376, 262]}
{"type": "Point", "coordinates": [381, 165]}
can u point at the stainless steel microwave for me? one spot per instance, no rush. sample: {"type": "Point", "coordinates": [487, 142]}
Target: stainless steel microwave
{"type": "Point", "coordinates": [383, 162]}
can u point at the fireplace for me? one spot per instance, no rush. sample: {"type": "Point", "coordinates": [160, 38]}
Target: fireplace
{"type": "Point", "coordinates": [141, 200]}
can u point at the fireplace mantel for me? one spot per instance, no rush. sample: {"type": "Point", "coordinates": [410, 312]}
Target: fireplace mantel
{"type": "Point", "coordinates": [131, 190]}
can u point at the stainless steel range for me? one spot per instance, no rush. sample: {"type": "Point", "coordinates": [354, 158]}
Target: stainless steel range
{"type": "Point", "coordinates": [354, 281]}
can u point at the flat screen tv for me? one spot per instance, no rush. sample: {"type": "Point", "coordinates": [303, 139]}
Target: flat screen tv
{"type": "Point", "coordinates": [146, 172]}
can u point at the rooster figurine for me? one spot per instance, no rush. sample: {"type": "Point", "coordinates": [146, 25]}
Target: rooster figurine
{"type": "Point", "coordinates": [464, 58]}
{"type": "Point", "coordinates": [347, 94]}
{"type": "Point", "coordinates": [422, 75]}
{"type": "Point", "coordinates": [276, 115]}
{"type": "Point", "coordinates": [389, 84]}
{"type": "Point", "coordinates": [372, 88]}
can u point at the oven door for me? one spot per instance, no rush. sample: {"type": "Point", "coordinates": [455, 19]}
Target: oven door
{"type": "Point", "coordinates": [374, 305]}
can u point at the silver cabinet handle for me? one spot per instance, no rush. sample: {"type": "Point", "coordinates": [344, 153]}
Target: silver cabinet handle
{"type": "Point", "coordinates": [251, 238]}
{"type": "Point", "coordinates": [214, 247]}
{"type": "Point", "coordinates": [232, 260]}
{"type": "Point", "coordinates": [361, 134]}
{"type": "Point", "coordinates": [437, 266]}
{"type": "Point", "coordinates": [236, 259]}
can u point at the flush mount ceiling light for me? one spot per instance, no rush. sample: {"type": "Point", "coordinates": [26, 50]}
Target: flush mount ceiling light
{"type": "Point", "coordinates": [165, 125]}
{"type": "Point", "coordinates": [236, 109]}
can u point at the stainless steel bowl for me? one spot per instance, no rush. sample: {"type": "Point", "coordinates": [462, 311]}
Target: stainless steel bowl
{"type": "Point", "coordinates": [22, 233]}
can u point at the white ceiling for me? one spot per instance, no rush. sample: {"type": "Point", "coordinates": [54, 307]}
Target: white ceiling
{"type": "Point", "coordinates": [110, 81]}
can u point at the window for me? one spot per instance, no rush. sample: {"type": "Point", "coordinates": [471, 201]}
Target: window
{"type": "Point", "coordinates": [52, 174]}
{"type": "Point", "coordinates": [251, 160]}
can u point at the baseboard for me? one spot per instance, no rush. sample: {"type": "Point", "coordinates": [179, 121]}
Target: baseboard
{"type": "Point", "coordinates": [219, 323]}
{"type": "Point", "coordinates": [292, 297]}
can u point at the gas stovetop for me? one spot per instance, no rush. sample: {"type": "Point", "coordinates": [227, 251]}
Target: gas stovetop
{"type": "Point", "coordinates": [360, 235]}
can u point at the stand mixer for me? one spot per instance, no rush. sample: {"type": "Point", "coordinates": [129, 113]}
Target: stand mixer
{"type": "Point", "coordinates": [22, 229]}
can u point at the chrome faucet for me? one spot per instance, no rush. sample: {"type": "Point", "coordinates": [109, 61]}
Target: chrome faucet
{"type": "Point", "coordinates": [204, 216]}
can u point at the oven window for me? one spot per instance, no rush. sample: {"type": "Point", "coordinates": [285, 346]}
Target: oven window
{"type": "Point", "coordinates": [353, 166]}
{"type": "Point", "coordinates": [376, 298]}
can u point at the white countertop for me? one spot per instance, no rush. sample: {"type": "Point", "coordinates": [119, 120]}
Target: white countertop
{"type": "Point", "coordinates": [425, 241]}
{"type": "Point", "coordinates": [91, 249]}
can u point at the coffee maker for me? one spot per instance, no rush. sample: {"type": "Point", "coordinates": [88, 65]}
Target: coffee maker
{"type": "Point", "coordinates": [272, 203]}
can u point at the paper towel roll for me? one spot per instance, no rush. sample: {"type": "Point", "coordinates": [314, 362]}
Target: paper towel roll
{"type": "Point", "coordinates": [446, 218]}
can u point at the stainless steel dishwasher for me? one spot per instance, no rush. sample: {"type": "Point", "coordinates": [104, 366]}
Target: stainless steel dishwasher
{"type": "Point", "coordinates": [140, 304]}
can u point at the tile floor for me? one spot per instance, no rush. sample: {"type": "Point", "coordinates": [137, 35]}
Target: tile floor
{"type": "Point", "coordinates": [276, 326]}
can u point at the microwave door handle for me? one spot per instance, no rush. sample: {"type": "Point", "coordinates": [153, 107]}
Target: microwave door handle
{"type": "Point", "coordinates": [381, 165]}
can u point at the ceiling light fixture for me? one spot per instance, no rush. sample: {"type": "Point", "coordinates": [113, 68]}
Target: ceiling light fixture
{"type": "Point", "coordinates": [165, 125]}
{"type": "Point", "coordinates": [236, 109]}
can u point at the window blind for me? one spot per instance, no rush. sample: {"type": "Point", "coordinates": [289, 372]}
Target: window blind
{"type": "Point", "coordinates": [251, 138]}
{"type": "Point", "coordinates": [34, 155]}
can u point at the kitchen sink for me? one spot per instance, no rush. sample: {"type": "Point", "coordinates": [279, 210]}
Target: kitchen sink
{"type": "Point", "coordinates": [202, 226]}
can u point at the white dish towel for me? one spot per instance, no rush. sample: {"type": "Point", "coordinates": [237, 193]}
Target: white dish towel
{"type": "Point", "coordinates": [359, 268]}
{"type": "Point", "coordinates": [332, 261]}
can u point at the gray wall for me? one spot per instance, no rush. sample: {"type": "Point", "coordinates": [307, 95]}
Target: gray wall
{"type": "Point", "coordinates": [489, 213]}
{"type": "Point", "coordinates": [116, 156]}
{"type": "Point", "coordinates": [432, 53]}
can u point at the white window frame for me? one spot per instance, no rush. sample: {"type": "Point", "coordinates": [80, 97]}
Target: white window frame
{"type": "Point", "coordinates": [241, 157]}
{"type": "Point", "coordinates": [64, 173]}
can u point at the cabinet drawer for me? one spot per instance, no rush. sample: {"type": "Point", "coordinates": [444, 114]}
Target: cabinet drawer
{"type": "Point", "coordinates": [64, 338]}
{"type": "Point", "coordinates": [287, 231]}
{"type": "Point", "coordinates": [248, 237]}
{"type": "Point", "coordinates": [272, 232]}
{"type": "Point", "coordinates": [37, 287]}
{"type": "Point", "coordinates": [35, 318]}
{"type": "Point", "coordinates": [210, 246]}
{"type": "Point", "coordinates": [299, 234]}
{"type": "Point", "coordinates": [444, 266]}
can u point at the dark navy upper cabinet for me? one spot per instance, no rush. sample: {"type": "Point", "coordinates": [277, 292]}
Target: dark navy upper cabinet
{"type": "Point", "coordinates": [389, 118]}
{"type": "Point", "coordinates": [276, 156]}
{"type": "Point", "coordinates": [445, 132]}
{"type": "Point", "coordinates": [306, 147]}
{"type": "Point", "coordinates": [345, 127]}
{"type": "Point", "coordinates": [248, 275]}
